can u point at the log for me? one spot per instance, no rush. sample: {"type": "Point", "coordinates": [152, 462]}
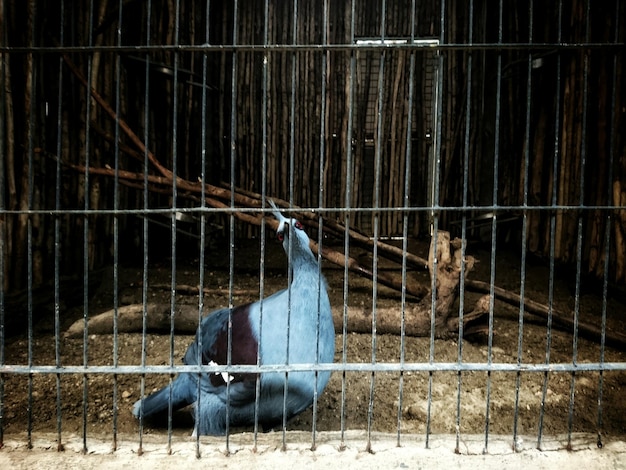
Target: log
{"type": "Point", "coordinates": [359, 320]}
{"type": "Point", "coordinates": [560, 320]}
{"type": "Point", "coordinates": [130, 320]}
{"type": "Point", "coordinates": [415, 320]}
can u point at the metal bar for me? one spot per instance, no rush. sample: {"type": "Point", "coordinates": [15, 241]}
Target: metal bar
{"type": "Point", "coordinates": [202, 248]}
{"type": "Point", "coordinates": [3, 230]}
{"type": "Point", "coordinates": [433, 207]}
{"type": "Point", "coordinates": [57, 239]}
{"type": "Point", "coordinates": [520, 332]}
{"type": "Point", "coordinates": [264, 138]}
{"type": "Point", "coordinates": [348, 203]}
{"type": "Point", "coordinates": [86, 270]}
{"type": "Point", "coordinates": [145, 231]}
{"type": "Point", "coordinates": [145, 224]}
{"type": "Point", "coordinates": [371, 46]}
{"type": "Point", "coordinates": [405, 219]}
{"type": "Point", "coordinates": [579, 241]}
{"type": "Point", "coordinates": [116, 235]}
{"type": "Point", "coordinates": [376, 218]}
{"type": "Point", "coordinates": [335, 367]}
{"type": "Point", "coordinates": [292, 165]}
{"type": "Point", "coordinates": [323, 210]}
{"type": "Point", "coordinates": [320, 201]}
{"type": "Point", "coordinates": [494, 223]}
{"type": "Point", "coordinates": [466, 157]}
{"type": "Point", "coordinates": [231, 250]}
{"type": "Point", "coordinates": [555, 166]}
{"type": "Point", "coordinates": [31, 88]}
{"type": "Point", "coordinates": [607, 229]}
{"type": "Point", "coordinates": [173, 231]}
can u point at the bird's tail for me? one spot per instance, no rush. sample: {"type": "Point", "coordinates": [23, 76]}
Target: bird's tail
{"type": "Point", "coordinates": [179, 392]}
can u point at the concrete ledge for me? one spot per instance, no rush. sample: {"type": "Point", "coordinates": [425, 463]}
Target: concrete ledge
{"type": "Point", "coordinates": [268, 454]}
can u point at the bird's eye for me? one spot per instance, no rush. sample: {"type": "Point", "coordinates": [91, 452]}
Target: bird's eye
{"type": "Point", "coordinates": [280, 236]}
{"type": "Point", "coordinates": [298, 225]}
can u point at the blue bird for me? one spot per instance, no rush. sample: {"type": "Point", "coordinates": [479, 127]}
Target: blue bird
{"type": "Point", "coordinates": [282, 329]}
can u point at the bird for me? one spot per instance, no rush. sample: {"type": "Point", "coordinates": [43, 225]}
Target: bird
{"type": "Point", "coordinates": [291, 326]}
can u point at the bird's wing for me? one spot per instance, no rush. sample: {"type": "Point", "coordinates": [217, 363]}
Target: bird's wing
{"type": "Point", "coordinates": [216, 339]}
{"type": "Point", "coordinates": [206, 336]}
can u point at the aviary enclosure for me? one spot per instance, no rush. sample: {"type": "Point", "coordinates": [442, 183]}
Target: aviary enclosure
{"type": "Point", "coordinates": [459, 166]}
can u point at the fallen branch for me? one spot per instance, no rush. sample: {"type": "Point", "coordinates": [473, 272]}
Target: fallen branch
{"type": "Point", "coordinates": [214, 193]}
{"type": "Point", "coordinates": [333, 256]}
{"type": "Point", "coordinates": [559, 319]}
{"type": "Point", "coordinates": [130, 319]}
{"type": "Point", "coordinates": [415, 320]}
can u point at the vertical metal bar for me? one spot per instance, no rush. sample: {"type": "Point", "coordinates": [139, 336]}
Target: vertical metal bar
{"type": "Point", "coordinates": [320, 203]}
{"type": "Point", "coordinates": [86, 232]}
{"type": "Point", "coordinates": [579, 242]}
{"type": "Point", "coordinates": [435, 213]}
{"type": "Point", "coordinates": [292, 103]}
{"type": "Point", "coordinates": [231, 251]}
{"type": "Point", "coordinates": [264, 136]}
{"type": "Point", "coordinates": [466, 158]}
{"type": "Point", "coordinates": [201, 259]}
{"type": "Point", "coordinates": [376, 218]}
{"type": "Point", "coordinates": [555, 167]}
{"type": "Point", "coordinates": [116, 204]}
{"type": "Point", "coordinates": [3, 221]}
{"type": "Point", "coordinates": [607, 230]}
{"type": "Point", "coordinates": [492, 279]}
{"type": "Point", "coordinates": [29, 222]}
{"type": "Point", "coordinates": [146, 202]}
{"type": "Point", "coordinates": [3, 231]}
{"type": "Point", "coordinates": [517, 444]}
{"type": "Point", "coordinates": [347, 205]}
{"type": "Point", "coordinates": [287, 332]}
{"type": "Point", "coordinates": [292, 164]}
{"type": "Point", "coordinates": [405, 217]}
{"type": "Point", "coordinates": [433, 303]}
{"type": "Point", "coordinates": [605, 283]}
{"type": "Point", "coordinates": [173, 221]}
{"type": "Point", "coordinates": [57, 235]}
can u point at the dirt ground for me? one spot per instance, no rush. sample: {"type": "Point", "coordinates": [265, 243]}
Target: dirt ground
{"type": "Point", "coordinates": [348, 394]}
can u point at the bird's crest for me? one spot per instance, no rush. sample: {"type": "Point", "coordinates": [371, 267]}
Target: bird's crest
{"type": "Point", "coordinates": [282, 220]}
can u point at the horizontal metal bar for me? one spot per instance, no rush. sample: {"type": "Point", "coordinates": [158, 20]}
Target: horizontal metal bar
{"type": "Point", "coordinates": [369, 46]}
{"type": "Point", "coordinates": [336, 367]}
{"type": "Point", "coordinates": [315, 210]}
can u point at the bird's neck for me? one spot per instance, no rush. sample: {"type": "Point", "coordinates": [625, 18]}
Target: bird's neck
{"type": "Point", "coordinates": [304, 271]}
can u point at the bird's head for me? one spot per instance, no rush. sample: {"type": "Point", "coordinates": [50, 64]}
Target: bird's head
{"type": "Point", "coordinates": [290, 227]}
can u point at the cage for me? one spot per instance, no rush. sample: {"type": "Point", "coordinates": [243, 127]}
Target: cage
{"type": "Point", "coordinates": [457, 166]}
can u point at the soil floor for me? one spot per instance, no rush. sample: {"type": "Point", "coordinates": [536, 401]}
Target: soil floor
{"type": "Point", "coordinates": [399, 401]}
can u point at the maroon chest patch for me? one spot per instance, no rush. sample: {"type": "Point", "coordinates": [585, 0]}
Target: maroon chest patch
{"type": "Point", "coordinates": [244, 347]}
